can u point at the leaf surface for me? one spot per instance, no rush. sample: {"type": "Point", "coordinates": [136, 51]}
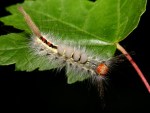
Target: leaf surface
{"type": "Point", "coordinates": [96, 26]}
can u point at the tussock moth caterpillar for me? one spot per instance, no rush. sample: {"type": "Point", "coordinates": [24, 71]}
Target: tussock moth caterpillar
{"type": "Point", "coordinates": [60, 54]}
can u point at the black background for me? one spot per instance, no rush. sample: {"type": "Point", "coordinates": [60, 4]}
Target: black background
{"type": "Point", "coordinates": [48, 91]}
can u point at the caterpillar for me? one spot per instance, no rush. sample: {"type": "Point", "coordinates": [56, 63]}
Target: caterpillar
{"type": "Point", "coordinates": [60, 54]}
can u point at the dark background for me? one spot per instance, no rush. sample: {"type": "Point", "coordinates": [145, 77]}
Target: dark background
{"type": "Point", "coordinates": [48, 91]}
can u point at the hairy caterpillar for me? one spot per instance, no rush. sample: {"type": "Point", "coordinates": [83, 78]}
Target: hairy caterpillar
{"type": "Point", "coordinates": [77, 61]}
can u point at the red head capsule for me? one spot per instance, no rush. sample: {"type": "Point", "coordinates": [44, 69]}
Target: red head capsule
{"type": "Point", "coordinates": [102, 69]}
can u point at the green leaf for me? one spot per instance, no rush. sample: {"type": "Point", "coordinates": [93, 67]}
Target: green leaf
{"type": "Point", "coordinates": [113, 20]}
{"type": "Point", "coordinates": [15, 49]}
{"type": "Point", "coordinates": [97, 26]}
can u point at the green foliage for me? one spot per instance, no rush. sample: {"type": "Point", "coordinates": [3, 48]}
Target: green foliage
{"type": "Point", "coordinates": [95, 25]}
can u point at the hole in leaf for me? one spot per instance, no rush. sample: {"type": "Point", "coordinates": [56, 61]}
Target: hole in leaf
{"type": "Point", "coordinates": [92, 0]}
